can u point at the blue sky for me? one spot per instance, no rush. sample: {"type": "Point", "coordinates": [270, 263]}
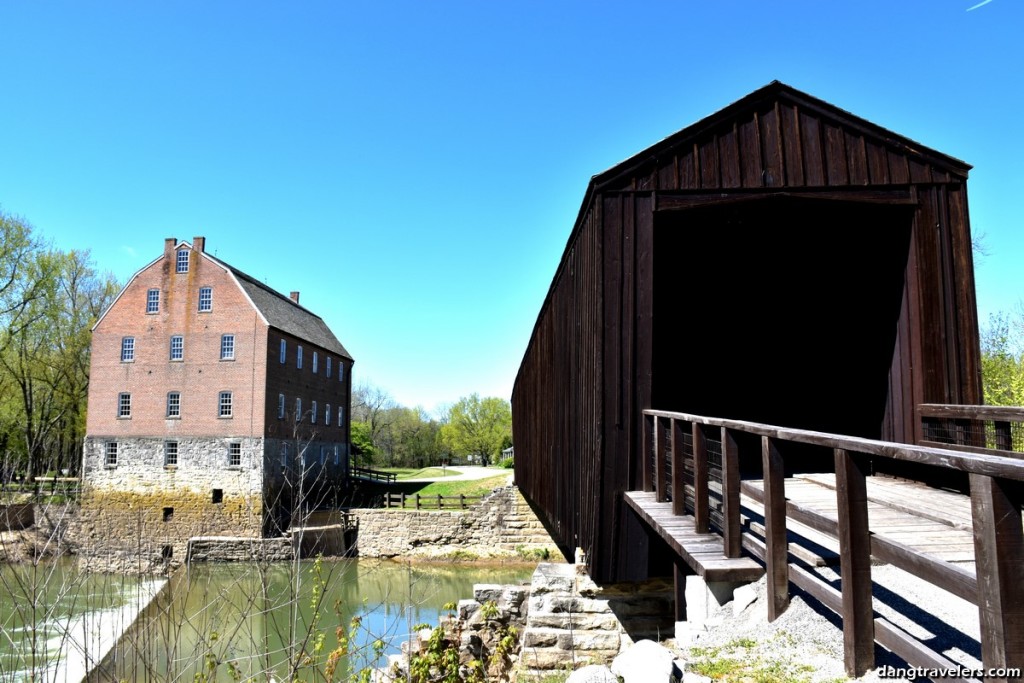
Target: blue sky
{"type": "Point", "coordinates": [414, 168]}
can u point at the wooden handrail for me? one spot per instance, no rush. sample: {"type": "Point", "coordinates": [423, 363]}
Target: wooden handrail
{"type": "Point", "coordinates": [997, 498]}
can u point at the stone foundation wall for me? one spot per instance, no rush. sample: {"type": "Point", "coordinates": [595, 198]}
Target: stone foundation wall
{"type": "Point", "coordinates": [501, 525]}
{"type": "Point", "coordinates": [226, 549]}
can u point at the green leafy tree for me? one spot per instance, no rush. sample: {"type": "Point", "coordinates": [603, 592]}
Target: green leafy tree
{"type": "Point", "coordinates": [1002, 359]}
{"type": "Point", "coordinates": [478, 426]}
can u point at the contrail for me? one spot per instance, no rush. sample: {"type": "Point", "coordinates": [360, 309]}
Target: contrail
{"type": "Point", "coordinates": [980, 4]}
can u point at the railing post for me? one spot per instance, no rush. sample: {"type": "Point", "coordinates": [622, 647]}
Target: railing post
{"type": "Point", "coordinates": [462, 501]}
{"type": "Point", "coordinates": [777, 550]}
{"type": "Point", "coordinates": [660, 480]}
{"type": "Point", "coordinates": [417, 501]}
{"type": "Point", "coordinates": [701, 522]}
{"type": "Point", "coordinates": [1004, 435]}
{"type": "Point", "coordinates": [645, 456]}
{"type": "Point", "coordinates": [403, 500]}
{"type": "Point", "coordinates": [731, 494]}
{"type": "Point", "coordinates": [678, 469]}
{"type": "Point", "coordinates": [999, 557]}
{"type": "Point", "coordinates": [855, 559]}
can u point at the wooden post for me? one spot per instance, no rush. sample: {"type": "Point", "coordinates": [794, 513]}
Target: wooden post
{"type": "Point", "coordinates": [1004, 436]}
{"type": "Point", "coordinates": [440, 502]}
{"type": "Point", "coordinates": [855, 559]}
{"type": "Point", "coordinates": [462, 501]}
{"type": "Point", "coordinates": [776, 551]}
{"type": "Point", "coordinates": [417, 501]}
{"type": "Point", "coordinates": [678, 470]}
{"type": "Point", "coordinates": [999, 557]}
{"type": "Point", "coordinates": [660, 479]}
{"type": "Point", "coordinates": [403, 500]}
{"type": "Point", "coordinates": [700, 480]}
{"type": "Point", "coordinates": [731, 494]}
{"type": "Point", "coordinates": [645, 455]}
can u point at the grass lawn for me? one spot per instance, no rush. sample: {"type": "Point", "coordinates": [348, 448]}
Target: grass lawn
{"type": "Point", "coordinates": [475, 487]}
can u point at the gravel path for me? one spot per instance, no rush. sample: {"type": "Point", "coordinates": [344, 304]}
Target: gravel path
{"type": "Point", "coordinates": [809, 633]}
{"type": "Point", "coordinates": [465, 473]}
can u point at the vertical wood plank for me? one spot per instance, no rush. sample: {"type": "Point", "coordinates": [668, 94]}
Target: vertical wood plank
{"type": "Point", "coordinates": [660, 477]}
{"type": "Point", "coordinates": [678, 470]}
{"type": "Point", "coordinates": [855, 559]}
{"type": "Point", "coordinates": [701, 518]}
{"type": "Point", "coordinates": [731, 494]}
{"type": "Point", "coordinates": [999, 555]}
{"type": "Point", "coordinates": [1004, 436]}
{"type": "Point", "coordinates": [777, 552]}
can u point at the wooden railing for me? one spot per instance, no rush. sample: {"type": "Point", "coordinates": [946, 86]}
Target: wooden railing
{"type": "Point", "coordinates": [684, 476]}
{"type": "Point", "coordinates": [980, 429]}
{"type": "Point", "coordinates": [43, 488]}
{"type": "Point", "coordinates": [417, 502]}
{"type": "Point", "coordinates": [372, 474]}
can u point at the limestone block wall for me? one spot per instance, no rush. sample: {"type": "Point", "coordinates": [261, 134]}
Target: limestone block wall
{"type": "Point", "coordinates": [501, 525]}
{"type": "Point", "coordinates": [143, 509]}
{"type": "Point", "coordinates": [227, 549]}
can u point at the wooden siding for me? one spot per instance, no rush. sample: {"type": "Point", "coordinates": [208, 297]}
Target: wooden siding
{"type": "Point", "coordinates": [587, 371]}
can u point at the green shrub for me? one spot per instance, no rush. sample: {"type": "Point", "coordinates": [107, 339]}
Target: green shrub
{"type": "Point", "coordinates": [507, 463]}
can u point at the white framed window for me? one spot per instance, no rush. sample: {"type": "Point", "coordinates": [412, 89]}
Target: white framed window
{"type": "Point", "coordinates": [328, 367]}
{"type": "Point", "coordinates": [235, 454]}
{"type": "Point", "coordinates": [312, 417]}
{"type": "Point", "coordinates": [170, 453]}
{"type": "Point", "coordinates": [227, 347]}
{"type": "Point", "coordinates": [174, 404]}
{"type": "Point", "coordinates": [284, 351]}
{"type": "Point", "coordinates": [110, 454]}
{"type": "Point", "coordinates": [316, 362]}
{"type": "Point", "coordinates": [341, 371]}
{"type": "Point", "coordinates": [298, 358]}
{"type": "Point", "coordinates": [341, 416]}
{"type": "Point", "coordinates": [182, 263]}
{"type": "Point", "coordinates": [298, 409]}
{"type": "Point", "coordinates": [205, 299]}
{"type": "Point", "coordinates": [224, 404]}
{"type": "Point", "coordinates": [127, 349]}
{"type": "Point", "coordinates": [124, 404]}
{"type": "Point", "coordinates": [280, 406]}
{"type": "Point", "coordinates": [177, 347]}
{"type": "Point", "coordinates": [337, 457]}
{"type": "Point", "coordinates": [327, 415]}
{"type": "Point", "coordinates": [284, 454]}
{"type": "Point", "coordinates": [153, 301]}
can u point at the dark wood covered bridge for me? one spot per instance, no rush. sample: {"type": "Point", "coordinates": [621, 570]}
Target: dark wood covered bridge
{"type": "Point", "coordinates": [781, 293]}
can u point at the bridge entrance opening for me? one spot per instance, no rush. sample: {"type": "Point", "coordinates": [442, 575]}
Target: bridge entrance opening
{"type": "Point", "coordinates": [780, 310]}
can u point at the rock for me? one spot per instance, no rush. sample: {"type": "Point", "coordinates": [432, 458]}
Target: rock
{"type": "Point", "coordinates": [645, 662]}
{"type": "Point", "coordinates": [594, 673]}
{"type": "Point", "coordinates": [468, 608]}
{"type": "Point", "coordinates": [742, 597]}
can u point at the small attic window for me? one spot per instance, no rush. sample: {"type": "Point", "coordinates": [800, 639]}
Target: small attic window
{"type": "Point", "coordinates": [182, 261]}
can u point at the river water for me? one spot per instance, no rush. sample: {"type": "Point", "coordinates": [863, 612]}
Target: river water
{"type": "Point", "coordinates": [224, 621]}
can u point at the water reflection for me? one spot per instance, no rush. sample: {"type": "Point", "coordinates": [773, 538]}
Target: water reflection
{"type": "Point", "coordinates": [253, 620]}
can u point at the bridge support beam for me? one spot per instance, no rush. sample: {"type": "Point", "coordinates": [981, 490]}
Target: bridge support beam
{"type": "Point", "coordinates": [855, 559]}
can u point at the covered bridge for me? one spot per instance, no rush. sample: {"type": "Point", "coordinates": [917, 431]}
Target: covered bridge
{"type": "Point", "coordinates": [780, 261]}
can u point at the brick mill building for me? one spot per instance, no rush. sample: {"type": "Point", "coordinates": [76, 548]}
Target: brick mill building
{"type": "Point", "coordinates": [217, 406]}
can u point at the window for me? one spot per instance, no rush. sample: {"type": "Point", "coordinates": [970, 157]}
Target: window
{"type": "Point", "coordinates": [284, 455]}
{"type": "Point", "coordinates": [177, 347]}
{"type": "Point", "coordinates": [110, 458]}
{"type": "Point", "coordinates": [327, 415]}
{"type": "Point", "coordinates": [153, 301]}
{"type": "Point", "coordinates": [124, 405]}
{"type": "Point", "coordinates": [298, 358]}
{"type": "Point", "coordinates": [312, 417]}
{"type": "Point", "coordinates": [168, 516]}
{"type": "Point", "coordinates": [227, 347]}
{"type": "Point", "coordinates": [341, 416]}
{"type": "Point", "coordinates": [174, 404]}
{"type": "Point", "coordinates": [298, 409]}
{"type": "Point", "coordinates": [127, 349]}
{"type": "Point", "coordinates": [182, 261]}
{"type": "Point", "coordinates": [205, 299]}
{"type": "Point", "coordinates": [316, 363]}
{"type": "Point", "coordinates": [224, 402]}
{"type": "Point", "coordinates": [280, 406]}
{"type": "Point", "coordinates": [234, 454]}
{"type": "Point", "coordinates": [341, 371]}
{"type": "Point", "coordinates": [217, 496]}
{"type": "Point", "coordinates": [328, 367]}
{"type": "Point", "coordinates": [284, 351]}
{"type": "Point", "coordinates": [337, 459]}
{"type": "Point", "coordinates": [170, 453]}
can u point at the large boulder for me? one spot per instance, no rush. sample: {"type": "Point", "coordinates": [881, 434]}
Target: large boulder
{"type": "Point", "coordinates": [645, 662]}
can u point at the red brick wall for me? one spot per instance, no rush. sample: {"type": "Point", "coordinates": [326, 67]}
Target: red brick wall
{"type": "Point", "coordinates": [200, 377]}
